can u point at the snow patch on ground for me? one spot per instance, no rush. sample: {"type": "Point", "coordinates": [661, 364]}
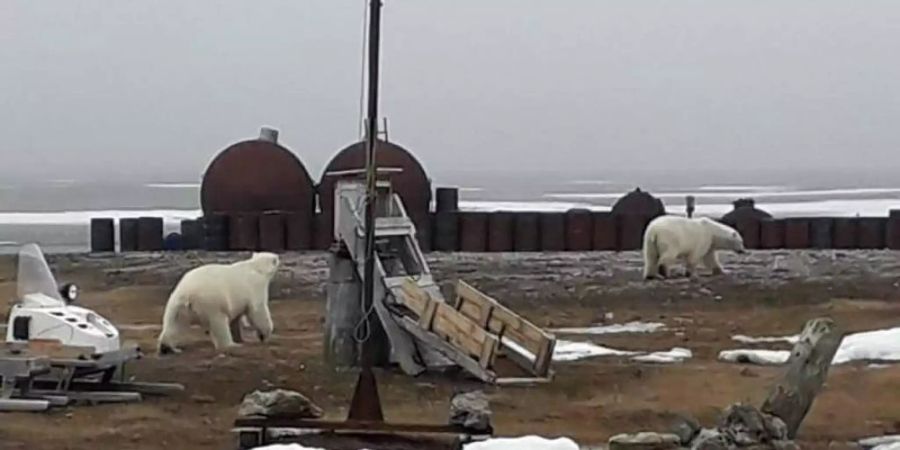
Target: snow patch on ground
{"type": "Point", "coordinates": [287, 447]}
{"type": "Point", "coordinates": [881, 442]}
{"type": "Point", "coordinates": [573, 351]}
{"type": "Point", "coordinates": [766, 339]}
{"type": "Point", "coordinates": [752, 356]}
{"type": "Point", "coordinates": [676, 355]}
{"type": "Point", "coordinates": [630, 327]}
{"type": "Point", "coordinates": [877, 345]}
{"type": "Point", "coordinates": [524, 443]}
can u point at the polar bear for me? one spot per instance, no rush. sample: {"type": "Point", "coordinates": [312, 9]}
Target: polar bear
{"type": "Point", "coordinates": [669, 239]}
{"type": "Point", "coordinates": [219, 296]}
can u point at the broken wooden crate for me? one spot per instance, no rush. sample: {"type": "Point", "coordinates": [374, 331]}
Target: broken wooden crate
{"type": "Point", "coordinates": [475, 329]}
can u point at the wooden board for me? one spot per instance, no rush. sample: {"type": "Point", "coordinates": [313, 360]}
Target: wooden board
{"type": "Point", "coordinates": [507, 325]}
{"type": "Point", "coordinates": [448, 324]}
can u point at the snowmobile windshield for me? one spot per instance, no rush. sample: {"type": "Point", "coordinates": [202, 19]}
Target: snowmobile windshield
{"type": "Point", "coordinates": [34, 276]}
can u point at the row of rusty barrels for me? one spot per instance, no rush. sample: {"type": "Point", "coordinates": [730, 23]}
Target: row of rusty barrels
{"type": "Point", "coordinates": [473, 231]}
{"type": "Point", "coordinates": [822, 232]}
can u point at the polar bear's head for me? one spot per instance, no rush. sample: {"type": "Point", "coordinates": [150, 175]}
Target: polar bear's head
{"type": "Point", "coordinates": [723, 236]}
{"type": "Point", "coordinates": [265, 263]}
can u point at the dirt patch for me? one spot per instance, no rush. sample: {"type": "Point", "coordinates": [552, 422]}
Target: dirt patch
{"type": "Point", "coordinates": [766, 294]}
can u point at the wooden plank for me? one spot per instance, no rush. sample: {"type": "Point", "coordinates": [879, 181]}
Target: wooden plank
{"type": "Point", "coordinates": [791, 399]}
{"type": "Point", "coordinates": [464, 361]}
{"type": "Point", "coordinates": [513, 381]}
{"type": "Point", "coordinates": [414, 297]}
{"type": "Point", "coordinates": [505, 323]}
{"type": "Point", "coordinates": [488, 352]}
{"type": "Point", "coordinates": [427, 318]}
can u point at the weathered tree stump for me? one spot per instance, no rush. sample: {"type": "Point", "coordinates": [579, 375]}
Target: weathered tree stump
{"type": "Point", "coordinates": [791, 399]}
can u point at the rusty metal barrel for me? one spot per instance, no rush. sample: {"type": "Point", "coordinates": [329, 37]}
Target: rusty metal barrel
{"type": "Point", "coordinates": [631, 230]}
{"type": "Point", "coordinates": [424, 235]}
{"type": "Point", "coordinates": [553, 232]}
{"type": "Point", "coordinates": [796, 233]}
{"type": "Point", "coordinates": [128, 234]}
{"type": "Point", "coordinates": [103, 235]}
{"type": "Point", "coordinates": [771, 233]}
{"type": "Point", "coordinates": [821, 230]}
{"type": "Point", "coordinates": [298, 231]}
{"type": "Point", "coordinates": [579, 230]}
{"type": "Point", "coordinates": [215, 232]}
{"type": "Point", "coordinates": [412, 183]}
{"type": "Point", "coordinates": [527, 232]}
{"type": "Point", "coordinates": [191, 234]}
{"type": "Point", "coordinates": [473, 231]}
{"type": "Point", "coordinates": [272, 232]}
{"type": "Point", "coordinates": [254, 176]}
{"type": "Point", "coordinates": [893, 230]}
{"type": "Point", "coordinates": [446, 199]}
{"type": "Point", "coordinates": [845, 235]}
{"type": "Point", "coordinates": [500, 231]}
{"type": "Point", "coordinates": [749, 227]}
{"type": "Point", "coordinates": [243, 231]}
{"type": "Point", "coordinates": [446, 231]}
{"type": "Point", "coordinates": [323, 233]}
{"type": "Point", "coordinates": [605, 235]}
{"type": "Point", "coordinates": [872, 232]}
{"type": "Point", "coordinates": [150, 234]}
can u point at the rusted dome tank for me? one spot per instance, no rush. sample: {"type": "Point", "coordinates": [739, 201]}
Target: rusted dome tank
{"type": "Point", "coordinates": [744, 209]}
{"type": "Point", "coordinates": [412, 183]}
{"type": "Point", "coordinates": [638, 202]}
{"type": "Point", "coordinates": [257, 175]}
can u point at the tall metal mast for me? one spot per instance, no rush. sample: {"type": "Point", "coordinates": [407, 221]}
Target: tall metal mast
{"type": "Point", "coordinates": [371, 172]}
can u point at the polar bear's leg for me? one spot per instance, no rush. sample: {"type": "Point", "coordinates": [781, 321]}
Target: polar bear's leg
{"type": "Point", "coordinates": [261, 320]}
{"type": "Point", "coordinates": [220, 330]}
{"type": "Point", "coordinates": [174, 319]}
{"type": "Point", "coordinates": [651, 256]}
{"type": "Point", "coordinates": [711, 261]}
{"type": "Point", "coordinates": [235, 329]}
{"type": "Point", "coordinates": [667, 259]}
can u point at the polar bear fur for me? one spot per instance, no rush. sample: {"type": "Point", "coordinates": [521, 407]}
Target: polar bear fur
{"type": "Point", "coordinates": [669, 239]}
{"type": "Point", "coordinates": [219, 296]}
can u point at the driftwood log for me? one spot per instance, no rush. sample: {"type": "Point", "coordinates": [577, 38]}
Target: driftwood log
{"type": "Point", "coordinates": [792, 397]}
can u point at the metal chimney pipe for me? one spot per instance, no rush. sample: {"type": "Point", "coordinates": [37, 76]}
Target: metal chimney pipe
{"type": "Point", "coordinates": [268, 134]}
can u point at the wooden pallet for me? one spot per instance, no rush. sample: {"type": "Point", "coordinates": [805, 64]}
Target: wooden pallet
{"type": "Point", "coordinates": [473, 329]}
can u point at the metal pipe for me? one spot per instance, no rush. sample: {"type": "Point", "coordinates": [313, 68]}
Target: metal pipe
{"type": "Point", "coordinates": [371, 143]}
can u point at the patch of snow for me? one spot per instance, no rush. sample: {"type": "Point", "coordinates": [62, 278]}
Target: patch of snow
{"type": "Point", "coordinates": [517, 348]}
{"type": "Point", "coordinates": [524, 443]}
{"type": "Point", "coordinates": [878, 345]}
{"type": "Point", "coordinates": [766, 339]}
{"type": "Point", "coordinates": [573, 351]}
{"type": "Point", "coordinates": [676, 355]}
{"type": "Point", "coordinates": [630, 327]}
{"type": "Point", "coordinates": [287, 447]}
{"type": "Point", "coordinates": [880, 441]}
{"type": "Point", "coordinates": [891, 446]}
{"type": "Point", "coordinates": [752, 356]}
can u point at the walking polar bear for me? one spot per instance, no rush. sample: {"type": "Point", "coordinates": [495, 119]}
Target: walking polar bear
{"type": "Point", "coordinates": [218, 296]}
{"type": "Point", "coordinates": [669, 239]}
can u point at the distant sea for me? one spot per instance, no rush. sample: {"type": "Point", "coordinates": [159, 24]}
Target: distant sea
{"type": "Point", "coordinates": [56, 213]}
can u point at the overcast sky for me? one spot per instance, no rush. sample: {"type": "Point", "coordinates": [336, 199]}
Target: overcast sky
{"type": "Point", "coordinates": [157, 88]}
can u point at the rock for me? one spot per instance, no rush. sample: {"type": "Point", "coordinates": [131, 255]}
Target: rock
{"type": "Point", "coordinates": [278, 403]}
{"type": "Point", "coordinates": [686, 428]}
{"type": "Point", "coordinates": [203, 398]}
{"type": "Point", "coordinates": [745, 425]}
{"type": "Point", "coordinates": [711, 440]}
{"type": "Point", "coordinates": [644, 441]}
{"type": "Point", "coordinates": [471, 410]}
{"type": "Point", "coordinates": [748, 372]}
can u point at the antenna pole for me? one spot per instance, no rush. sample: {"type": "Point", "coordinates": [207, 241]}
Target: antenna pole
{"type": "Point", "coordinates": [371, 173]}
